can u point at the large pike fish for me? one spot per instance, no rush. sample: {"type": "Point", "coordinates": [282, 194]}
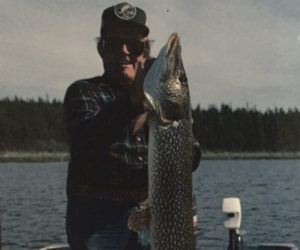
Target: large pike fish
{"type": "Point", "coordinates": [169, 151]}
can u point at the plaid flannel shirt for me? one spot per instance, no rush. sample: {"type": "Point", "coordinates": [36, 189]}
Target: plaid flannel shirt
{"type": "Point", "coordinates": [107, 159]}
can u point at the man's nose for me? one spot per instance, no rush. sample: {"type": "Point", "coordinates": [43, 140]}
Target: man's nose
{"type": "Point", "coordinates": [125, 49]}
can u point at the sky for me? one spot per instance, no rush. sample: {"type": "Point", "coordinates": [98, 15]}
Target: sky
{"type": "Point", "coordinates": [237, 52]}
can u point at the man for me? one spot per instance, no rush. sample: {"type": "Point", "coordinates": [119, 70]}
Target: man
{"type": "Point", "coordinates": [107, 176]}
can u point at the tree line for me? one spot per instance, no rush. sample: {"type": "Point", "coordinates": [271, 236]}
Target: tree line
{"type": "Point", "coordinates": [37, 125]}
{"type": "Point", "coordinates": [32, 125]}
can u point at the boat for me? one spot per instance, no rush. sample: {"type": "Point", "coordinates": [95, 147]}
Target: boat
{"type": "Point", "coordinates": [56, 247]}
{"type": "Point", "coordinates": [231, 206]}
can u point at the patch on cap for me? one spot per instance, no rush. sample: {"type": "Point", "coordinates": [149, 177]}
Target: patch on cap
{"type": "Point", "coordinates": [125, 11]}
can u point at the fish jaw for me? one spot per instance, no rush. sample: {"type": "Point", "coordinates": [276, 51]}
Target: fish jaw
{"type": "Point", "coordinates": [165, 86]}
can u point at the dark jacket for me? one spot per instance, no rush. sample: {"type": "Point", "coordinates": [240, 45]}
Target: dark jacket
{"type": "Point", "coordinates": [107, 159]}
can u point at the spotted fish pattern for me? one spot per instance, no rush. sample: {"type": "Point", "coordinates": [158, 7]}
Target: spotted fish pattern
{"type": "Point", "coordinates": [170, 151]}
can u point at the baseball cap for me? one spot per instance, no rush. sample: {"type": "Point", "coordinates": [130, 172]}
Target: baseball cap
{"type": "Point", "coordinates": [124, 14]}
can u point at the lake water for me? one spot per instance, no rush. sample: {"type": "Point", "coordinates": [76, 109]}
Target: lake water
{"type": "Point", "coordinates": [33, 201]}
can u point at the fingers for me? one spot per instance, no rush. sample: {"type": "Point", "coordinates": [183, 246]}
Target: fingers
{"type": "Point", "coordinates": [149, 63]}
{"type": "Point", "coordinates": [142, 70]}
{"type": "Point", "coordinates": [137, 85]}
{"type": "Point", "coordinates": [136, 89]}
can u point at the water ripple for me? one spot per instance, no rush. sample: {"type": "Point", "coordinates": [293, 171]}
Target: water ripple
{"type": "Point", "coordinates": [33, 202]}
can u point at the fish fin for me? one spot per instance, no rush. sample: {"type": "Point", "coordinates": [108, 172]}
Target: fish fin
{"type": "Point", "coordinates": [165, 122]}
{"type": "Point", "coordinates": [139, 220]}
{"type": "Point", "coordinates": [140, 121]}
{"type": "Point", "coordinates": [144, 203]}
{"type": "Point", "coordinates": [196, 232]}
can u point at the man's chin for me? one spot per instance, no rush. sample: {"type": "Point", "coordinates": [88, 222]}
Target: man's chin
{"type": "Point", "coordinates": [126, 83]}
{"type": "Point", "coordinates": [126, 80]}
{"type": "Point", "coordinates": [123, 78]}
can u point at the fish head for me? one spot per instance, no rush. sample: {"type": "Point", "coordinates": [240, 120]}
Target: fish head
{"type": "Point", "coordinates": [166, 86]}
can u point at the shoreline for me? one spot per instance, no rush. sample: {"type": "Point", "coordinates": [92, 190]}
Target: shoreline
{"type": "Point", "coordinates": [28, 156]}
{"type": "Point", "coordinates": [24, 156]}
{"type": "Point", "coordinates": [250, 155]}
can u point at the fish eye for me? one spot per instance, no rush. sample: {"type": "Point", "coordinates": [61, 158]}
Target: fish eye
{"type": "Point", "coordinates": [182, 78]}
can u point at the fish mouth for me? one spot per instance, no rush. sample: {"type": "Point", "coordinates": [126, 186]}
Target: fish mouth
{"type": "Point", "coordinates": [161, 86]}
{"type": "Point", "coordinates": [173, 43]}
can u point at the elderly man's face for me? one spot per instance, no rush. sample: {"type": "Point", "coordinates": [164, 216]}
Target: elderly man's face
{"type": "Point", "coordinates": [122, 52]}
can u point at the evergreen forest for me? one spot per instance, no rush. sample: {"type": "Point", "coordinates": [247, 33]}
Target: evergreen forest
{"type": "Point", "coordinates": [37, 125]}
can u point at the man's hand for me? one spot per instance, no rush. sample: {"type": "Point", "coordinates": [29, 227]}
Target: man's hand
{"type": "Point", "coordinates": [136, 90]}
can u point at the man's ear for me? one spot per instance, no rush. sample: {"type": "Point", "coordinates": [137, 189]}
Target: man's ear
{"type": "Point", "coordinates": [100, 48]}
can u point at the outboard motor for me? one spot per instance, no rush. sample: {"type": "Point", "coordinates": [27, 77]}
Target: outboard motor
{"type": "Point", "coordinates": [232, 207]}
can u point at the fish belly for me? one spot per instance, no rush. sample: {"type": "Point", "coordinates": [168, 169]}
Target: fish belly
{"type": "Point", "coordinates": [170, 186]}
